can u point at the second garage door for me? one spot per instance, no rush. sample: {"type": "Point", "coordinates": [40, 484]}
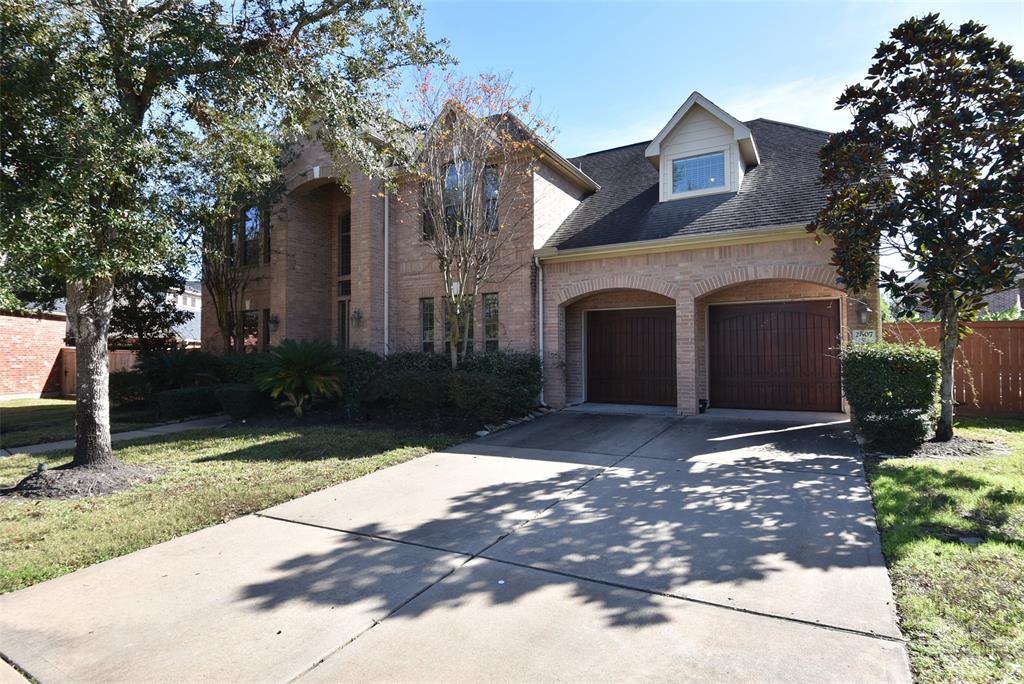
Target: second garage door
{"type": "Point", "coordinates": [774, 356]}
{"type": "Point", "coordinates": [631, 356]}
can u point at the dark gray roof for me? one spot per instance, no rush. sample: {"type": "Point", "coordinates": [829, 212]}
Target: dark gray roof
{"type": "Point", "coordinates": [782, 189]}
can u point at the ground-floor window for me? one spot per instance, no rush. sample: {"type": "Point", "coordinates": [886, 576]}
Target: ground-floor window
{"type": "Point", "coordinates": [491, 322]}
{"type": "Point", "coordinates": [265, 330]}
{"type": "Point", "coordinates": [427, 324]}
{"type": "Point", "coordinates": [250, 330]}
{"type": "Point", "coordinates": [343, 323]}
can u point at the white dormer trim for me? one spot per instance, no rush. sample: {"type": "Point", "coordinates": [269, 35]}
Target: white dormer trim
{"type": "Point", "coordinates": [741, 134]}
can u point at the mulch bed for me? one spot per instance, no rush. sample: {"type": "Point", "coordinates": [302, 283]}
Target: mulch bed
{"type": "Point", "coordinates": [72, 483]}
{"type": "Point", "coordinates": [956, 448]}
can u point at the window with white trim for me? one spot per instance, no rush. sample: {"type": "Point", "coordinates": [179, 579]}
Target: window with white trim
{"type": "Point", "coordinates": [702, 172]}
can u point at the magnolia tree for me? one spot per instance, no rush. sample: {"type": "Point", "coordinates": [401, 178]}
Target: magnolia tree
{"type": "Point", "coordinates": [931, 170]}
{"type": "Point", "coordinates": [475, 146]}
{"type": "Point", "coordinates": [107, 106]}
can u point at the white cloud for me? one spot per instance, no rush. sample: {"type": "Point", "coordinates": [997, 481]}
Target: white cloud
{"type": "Point", "coordinates": [806, 101]}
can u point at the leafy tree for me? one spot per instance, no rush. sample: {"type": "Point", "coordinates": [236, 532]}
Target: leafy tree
{"type": "Point", "coordinates": [143, 317]}
{"type": "Point", "coordinates": [105, 104]}
{"type": "Point", "coordinates": [932, 169]}
{"type": "Point", "coordinates": [480, 142]}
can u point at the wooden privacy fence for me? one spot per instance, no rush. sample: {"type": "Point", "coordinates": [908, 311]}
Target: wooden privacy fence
{"type": "Point", "coordinates": [988, 379]}
{"type": "Point", "coordinates": [120, 360]}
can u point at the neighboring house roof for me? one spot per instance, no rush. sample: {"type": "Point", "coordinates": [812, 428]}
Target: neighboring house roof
{"type": "Point", "coordinates": [783, 189]}
{"type": "Point", "coordinates": [189, 331]}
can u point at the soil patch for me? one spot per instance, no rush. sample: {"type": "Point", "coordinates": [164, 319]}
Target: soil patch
{"type": "Point", "coordinates": [73, 483]}
{"type": "Point", "coordinates": [956, 448]}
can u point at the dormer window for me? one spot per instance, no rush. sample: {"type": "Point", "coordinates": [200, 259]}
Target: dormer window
{"type": "Point", "coordinates": [701, 172]}
{"type": "Point", "coordinates": [702, 150]}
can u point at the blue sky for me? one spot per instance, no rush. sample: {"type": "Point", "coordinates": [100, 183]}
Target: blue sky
{"type": "Point", "coordinates": [612, 73]}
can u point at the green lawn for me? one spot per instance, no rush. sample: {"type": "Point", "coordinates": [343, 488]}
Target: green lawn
{"type": "Point", "coordinates": [34, 421]}
{"type": "Point", "coordinates": [209, 476]}
{"type": "Point", "coordinates": [961, 604]}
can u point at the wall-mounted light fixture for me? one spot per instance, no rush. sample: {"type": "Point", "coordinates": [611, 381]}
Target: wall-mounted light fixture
{"type": "Point", "coordinates": [356, 318]}
{"type": "Point", "coordinates": [863, 312]}
{"type": "Point", "coordinates": [273, 322]}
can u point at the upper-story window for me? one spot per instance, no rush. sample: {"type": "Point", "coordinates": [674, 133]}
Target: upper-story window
{"type": "Point", "coordinates": [491, 182]}
{"type": "Point", "coordinates": [702, 172]}
{"type": "Point", "coordinates": [252, 219]}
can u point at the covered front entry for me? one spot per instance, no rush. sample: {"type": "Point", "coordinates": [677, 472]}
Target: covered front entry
{"type": "Point", "coordinates": [631, 356]}
{"type": "Point", "coordinates": [779, 355]}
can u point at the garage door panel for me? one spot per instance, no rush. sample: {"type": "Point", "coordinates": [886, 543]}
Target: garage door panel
{"type": "Point", "coordinates": [774, 356]}
{"type": "Point", "coordinates": [631, 356]}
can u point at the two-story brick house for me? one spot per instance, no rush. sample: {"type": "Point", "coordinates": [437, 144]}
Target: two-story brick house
{"type": "Point", "coordinates": [675, 271]}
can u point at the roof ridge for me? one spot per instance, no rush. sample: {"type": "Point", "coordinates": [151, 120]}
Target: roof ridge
{"type": "Point", "coordinates": [791, 125]}
{"type": "Point", "coordinates": [610, 149]}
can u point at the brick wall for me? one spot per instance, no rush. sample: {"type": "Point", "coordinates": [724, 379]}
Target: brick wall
{"type": "Point", "coordinates": [415, 275]}
{"type": "Point", "coordinates": [778, 269]}
{"type": "Point", "coordinates": [30, 355]}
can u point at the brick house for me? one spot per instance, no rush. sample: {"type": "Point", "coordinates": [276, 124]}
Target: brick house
{"type": "Point", "coordinates": [676, 271]}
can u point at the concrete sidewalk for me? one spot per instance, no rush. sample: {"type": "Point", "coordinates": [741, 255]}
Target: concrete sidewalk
{"type": "Point", "coordinates": [166, 429]}
{"type": "Point", "coordinates": [576, 547]}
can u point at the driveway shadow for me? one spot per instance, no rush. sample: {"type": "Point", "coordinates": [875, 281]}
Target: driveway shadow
{"type": "Point", "coordinates": [793, 544]}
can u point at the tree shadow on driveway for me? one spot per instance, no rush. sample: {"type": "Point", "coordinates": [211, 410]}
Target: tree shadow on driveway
{"type": "Point", "coordinates": [799, 545]}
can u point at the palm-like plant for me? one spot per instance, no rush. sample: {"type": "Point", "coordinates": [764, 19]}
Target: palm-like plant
{"type": "Point", "coordinates": [301, 372]}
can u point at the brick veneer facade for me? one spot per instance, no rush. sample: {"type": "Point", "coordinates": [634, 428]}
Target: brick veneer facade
{"type": "Point", "coordinates": [299, 288]}
{"type": "Point", "coordinates": [30, 355]}
{"type": "Point", "coordinates": [689, 279]}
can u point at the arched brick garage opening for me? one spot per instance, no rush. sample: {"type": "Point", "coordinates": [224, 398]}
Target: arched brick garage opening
{"type": "Point", "coordinates": [770, 344]}
{"type": "Point", "coordinates": [620, 347]}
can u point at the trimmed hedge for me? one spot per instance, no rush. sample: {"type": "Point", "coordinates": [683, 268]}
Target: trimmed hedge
{"type": "Point", "coordinates": [893, 389]}
{"type": "Point", "coordinates": [358, 368]}
{"type": "Point", "coordinates": [128, 387]}
{"type": "Point", "coordinates": [242, 400]}
{"type": "Point", "coordinates": [497, 385]}
{"type": "Point", "coordinates": [244, 368]}
{"type": "Point", "coordinates": [188, 401]}
{"type": "Point", "coordinates": [174, 368]}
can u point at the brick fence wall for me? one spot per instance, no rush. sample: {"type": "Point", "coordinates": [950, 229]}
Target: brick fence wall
{"type": "Point", "coordinates": [30, 355]}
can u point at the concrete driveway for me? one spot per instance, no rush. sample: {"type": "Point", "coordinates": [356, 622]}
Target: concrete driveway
{"type": "Point", "coordinates": [578, 547]}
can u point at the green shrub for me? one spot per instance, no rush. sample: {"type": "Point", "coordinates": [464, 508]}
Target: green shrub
{"type": "Point", "coordinates": [416, 390]}
{"type": "Point", "coordinates": [485, 397]}
{"type": "Point", "coordinates": [302, 372]}
{"type": "Point", "coordinates": [411, 381]}
{"type": "Point", "coordinates": [242, 400]}
{"type": "Point", "coordinates": [403, 361]}
{"type": "Point", "coordinates": [518, 372]}
{"type": "Point", "coordinates": [129, 387]}
{"type": "Point", "coordinates": [358, 369]}
{"type": "Point", "coordinates": [244, 368]}
{"type": "Point", "coordinates": [893, 390]}
{"type": "Point", "coordinates": [188, 401]}
{"type": "Point", "coordinates": [174, 368]}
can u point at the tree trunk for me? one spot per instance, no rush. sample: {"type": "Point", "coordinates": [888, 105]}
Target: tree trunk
{"type": "Point", "coordinates": [453, 334]}
{"type": "Point", "coordinates": [89, 308]}
{"type": "Point", "coordinates": [949, 339]}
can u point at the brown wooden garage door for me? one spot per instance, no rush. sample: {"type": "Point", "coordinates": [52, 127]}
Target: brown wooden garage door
{"type": "Point", "coordinates": [774, 356]}
{"type": "Point", "coordinates": [631, 356]}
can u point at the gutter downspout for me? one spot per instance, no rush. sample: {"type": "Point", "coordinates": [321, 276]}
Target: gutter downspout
{"type": "Point", "coordinates": [387, 226]}
{"type": "Point", "coordinates": [540, 322]}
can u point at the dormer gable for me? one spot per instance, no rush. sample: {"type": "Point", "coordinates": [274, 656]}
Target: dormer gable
{"type": "Point", "coordinates": [702, 150]}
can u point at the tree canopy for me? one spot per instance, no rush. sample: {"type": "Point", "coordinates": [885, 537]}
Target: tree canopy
{"type": "Point", "coordinates": [114, 114]}
{"type": "Point", "coordinates": [931, 170]}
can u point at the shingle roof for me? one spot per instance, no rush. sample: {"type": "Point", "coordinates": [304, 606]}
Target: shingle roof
{"type": "Point", "coordinates": [782, 189]}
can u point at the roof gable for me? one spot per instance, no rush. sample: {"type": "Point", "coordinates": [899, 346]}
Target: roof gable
{"type": "Point", "coordinates": [741, 133]}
